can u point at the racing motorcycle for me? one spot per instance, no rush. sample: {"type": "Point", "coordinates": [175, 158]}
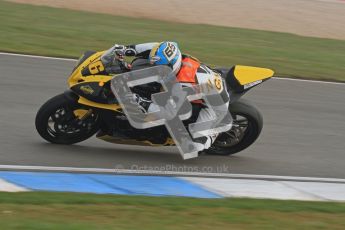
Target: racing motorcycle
{"type": "Point", "coordinates": [90, 107]}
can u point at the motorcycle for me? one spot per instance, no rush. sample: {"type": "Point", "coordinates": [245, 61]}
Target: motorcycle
{"type": "Point", "coordinates": [90, 107]}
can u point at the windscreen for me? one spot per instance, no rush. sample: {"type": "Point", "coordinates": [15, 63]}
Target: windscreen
{"type": "Point", "coordinates": [108, 57]}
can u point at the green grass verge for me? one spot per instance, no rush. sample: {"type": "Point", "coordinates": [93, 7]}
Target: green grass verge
{"type": "Point", "coordinates": [40, 210]}
{"type": "Point", "coordinates": [67, 33]}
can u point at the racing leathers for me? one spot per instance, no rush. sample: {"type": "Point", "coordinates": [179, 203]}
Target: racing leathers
{"type": "Point", "coordinates": [190, 73]}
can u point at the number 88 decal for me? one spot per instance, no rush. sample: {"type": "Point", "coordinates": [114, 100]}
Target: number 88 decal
{"type": "Point", "coordinates": [170, 50]}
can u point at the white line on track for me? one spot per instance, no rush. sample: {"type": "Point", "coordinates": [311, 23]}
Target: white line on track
{"type": "Point", "coordinates": [312, 81]}
{"type": "Point", "coordinates": [167, 173]}
{"type": "Point", "coordinates": [36, 56]}
{"type": "Point", "coordinates": [70, 59]}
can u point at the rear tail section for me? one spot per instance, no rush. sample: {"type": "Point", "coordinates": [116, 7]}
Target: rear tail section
{"type": "Point", "coordinates": [241, 78]}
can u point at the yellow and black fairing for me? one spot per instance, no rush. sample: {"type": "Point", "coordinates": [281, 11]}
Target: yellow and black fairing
{"type": "Point", "coordinates": [90, 82]}
{"type": "Point", "coordinates": [242, 78]}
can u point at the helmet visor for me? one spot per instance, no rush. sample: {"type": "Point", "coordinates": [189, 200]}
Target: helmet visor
{"type": "Point", "coordinates": [154, 59]}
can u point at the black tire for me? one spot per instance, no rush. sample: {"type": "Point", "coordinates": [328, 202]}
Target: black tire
{"type": "Point", "coordinates": [254, 126]}
{"type": "Point", "coordinates": [49, 111]}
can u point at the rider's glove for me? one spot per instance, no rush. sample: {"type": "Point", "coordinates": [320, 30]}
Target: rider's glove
{"type": "Point", "coordinates": [119, 52]}
{"type": "Point", "coordinates": [130, 52]}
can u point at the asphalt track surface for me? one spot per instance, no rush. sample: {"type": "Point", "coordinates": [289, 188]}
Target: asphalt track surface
{"type": "Point", "coordinates": [303, 135]}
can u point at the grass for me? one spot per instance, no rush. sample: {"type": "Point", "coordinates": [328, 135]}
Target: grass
{"type": "Point", "coordinates": [67, 33]}
{"type": "Point", "coordinates": [40, 210]}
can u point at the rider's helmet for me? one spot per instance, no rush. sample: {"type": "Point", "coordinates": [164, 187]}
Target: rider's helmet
{"type": "Point", "coordinates": [167, 53]}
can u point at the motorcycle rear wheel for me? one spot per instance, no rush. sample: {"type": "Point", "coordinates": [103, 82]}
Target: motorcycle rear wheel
{"type": "Point", "coordinates": [247, 126]}
{"type": "Point", "coordinates": [61, 122]}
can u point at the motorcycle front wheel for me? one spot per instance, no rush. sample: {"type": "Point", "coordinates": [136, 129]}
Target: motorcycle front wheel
{"type": "Point", "coordinates": [247, 126]}
{"type": "Point", "coordinates": [61, 122]}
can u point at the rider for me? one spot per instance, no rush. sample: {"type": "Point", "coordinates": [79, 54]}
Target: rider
{"type": "Point", "coordinates": [187, 69]}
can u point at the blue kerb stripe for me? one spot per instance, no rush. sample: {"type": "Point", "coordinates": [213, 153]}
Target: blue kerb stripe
{"type": "Point", "coordinates": [107, 184]}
